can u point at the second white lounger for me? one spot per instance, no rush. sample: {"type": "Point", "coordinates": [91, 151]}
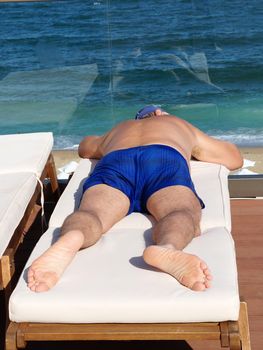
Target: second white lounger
{"type": "Point", "coordinates": [25, 161]}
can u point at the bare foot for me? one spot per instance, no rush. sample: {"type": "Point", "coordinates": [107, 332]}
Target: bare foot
{"type": "Point", "coordinates": [46, 270]}
{"type": "Point", "coordinates": [188, 269]}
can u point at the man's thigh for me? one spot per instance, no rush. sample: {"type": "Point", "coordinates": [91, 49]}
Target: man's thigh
{"type": "Point", "coordinates": [109, 204]}
{"type": "Point", "coordinates": [171, 199]}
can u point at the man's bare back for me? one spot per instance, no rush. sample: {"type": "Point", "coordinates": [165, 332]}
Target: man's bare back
{"type": "Point", "coordinates": [166, 130]}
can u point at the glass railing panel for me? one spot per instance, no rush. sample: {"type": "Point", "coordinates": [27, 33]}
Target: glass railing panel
{"type": "Point", "coordinates": [79, 67]}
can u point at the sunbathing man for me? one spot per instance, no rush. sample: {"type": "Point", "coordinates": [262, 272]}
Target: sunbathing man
{"type": "Point", "coordinates": [144, 167]}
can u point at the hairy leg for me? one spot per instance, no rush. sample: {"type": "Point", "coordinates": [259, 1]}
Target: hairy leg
{"type": "Point", "coordinates": [101, 207]}
{"type": "Point", "coordinates": [178, 214]}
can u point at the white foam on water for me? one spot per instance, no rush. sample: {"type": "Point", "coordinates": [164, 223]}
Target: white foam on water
{"type": "Point", "coordinates": [243, 137]}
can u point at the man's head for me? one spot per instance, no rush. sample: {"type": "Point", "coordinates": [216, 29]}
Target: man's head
{"type": "Point", "coordinates": [149, 111]}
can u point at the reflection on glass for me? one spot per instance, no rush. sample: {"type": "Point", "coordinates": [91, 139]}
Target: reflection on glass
{"type": "Point", "coordinates": [44, 96]}
{"type": "Point", "coordinates": [78, 67]}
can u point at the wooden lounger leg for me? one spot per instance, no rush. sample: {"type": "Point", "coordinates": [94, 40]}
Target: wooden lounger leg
{"type": "Point", "coordinates": [235, 334]}
{"type": "Point", "coordinates": [7, 271]}
{"type": "Point", "coordinates": [11, 337]}
{"type": "Point", "coordinates": [51, 172]}
{"type": "Point", "coordinates": [7, 267]}
{"type": "Point", "coordinates": [244, 326]}
{"type": "Point", "coordinates": [230, 335]}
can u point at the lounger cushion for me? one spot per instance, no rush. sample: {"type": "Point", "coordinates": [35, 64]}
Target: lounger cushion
{"type": "Point", "coordinates": [25, 152]}
{"type": "Point", "coordinates": [210, 181]}
{"type": "Point", "coordinates": [16, 190]}
{"type": "Point", "coordinates": [109, 282]}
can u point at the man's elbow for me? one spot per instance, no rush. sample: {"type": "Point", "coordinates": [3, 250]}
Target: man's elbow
{"type": "Point", "coordinates": [236, 162]}
{"type": "Point", "coordinates": [81, 152]}
{"type": "Point", "coordinates": [235, 165]}
{"type": "Point", "coordinates": [83, 149]}
{"type": "Point", "coordinates": [89, 147]}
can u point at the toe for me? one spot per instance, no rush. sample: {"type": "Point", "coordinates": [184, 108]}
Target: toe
{"type": "Point", "coordinates": [42, 287]}
{"type": "Point", "coordinates": [198, 286]}
{"type": "Point", "coordinates": [30, 275]}
{"type": "Point", "coordinates": [203, 266]}
{"type": "Point", "coordinates": [207, 284]}
{"type": "Point", "coordinates": [207, 274]}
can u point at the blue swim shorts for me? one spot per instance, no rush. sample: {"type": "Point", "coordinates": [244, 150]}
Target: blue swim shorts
{"type": "Point", "coordinates": [141, 171]}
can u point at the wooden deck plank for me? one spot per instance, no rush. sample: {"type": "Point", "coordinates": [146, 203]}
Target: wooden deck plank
{"type": "Point", "coordinates": [247, 230]}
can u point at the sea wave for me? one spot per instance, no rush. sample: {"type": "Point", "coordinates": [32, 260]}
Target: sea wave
{"type": "Point", "coordinates": [66, 142]}
{"type": "Point", "coordinates": [242, 137]}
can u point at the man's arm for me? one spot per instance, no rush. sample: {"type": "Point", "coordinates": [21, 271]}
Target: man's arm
{"type": "Point", "coordinates": [90, 147]}
{"type": "Point", "coordinates": [209, 149]}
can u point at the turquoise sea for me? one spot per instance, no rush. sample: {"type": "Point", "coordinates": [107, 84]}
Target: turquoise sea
{"type": "Point", "coordinates": [78, 67]}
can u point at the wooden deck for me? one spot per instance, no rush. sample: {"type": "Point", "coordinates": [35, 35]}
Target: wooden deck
{"type": "Point", "coordinates": [247, 224]}
{"type": "Point", "coordinates": [247, 230]}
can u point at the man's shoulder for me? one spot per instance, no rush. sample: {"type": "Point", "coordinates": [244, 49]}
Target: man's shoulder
{"type": "Point", "coordinates": [126, 122]}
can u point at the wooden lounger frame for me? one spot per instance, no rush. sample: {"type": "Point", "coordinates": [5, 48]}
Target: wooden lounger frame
{"type": "Point", "coordinates": [7, 268]}
{"type": "Point", "coordinates": [231, 334]}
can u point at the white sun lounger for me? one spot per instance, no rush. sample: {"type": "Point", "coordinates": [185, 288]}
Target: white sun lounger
{"type": "Point", "coordinates": [25, 161]}
{"type": "Point", "coordinates": [109, 293]}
